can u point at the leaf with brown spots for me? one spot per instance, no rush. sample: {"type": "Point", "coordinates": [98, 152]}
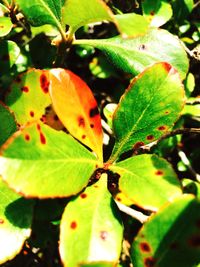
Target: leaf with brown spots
{"type": "Point", "coordinates": [77, 108]}
{"type": "Point", "coordinates": [91, 229]}
{"type": "Point", "coordinates": [28, 96]}
{"type": "Point", "coordinates": [39, 161]}
{"type": "Point", "coordinates": [15, 222]}
{"type": "Point", "coordinates": [170, 237]}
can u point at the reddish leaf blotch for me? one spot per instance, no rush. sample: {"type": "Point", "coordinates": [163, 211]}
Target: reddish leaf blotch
{"type": "Point", "coordinates": [144, 246]}
{"type": "Point", "coordinates": [73, 225]}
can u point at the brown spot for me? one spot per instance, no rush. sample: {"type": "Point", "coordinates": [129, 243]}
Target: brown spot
{"type": "Point", "coordinates": [42, 139]}
{"type": "Point", "coordinates": [1, 221]}
{"type": "Point", "coordinates": [96, 166]}
{"type": "Point", "coordinates": [81, 121]}
{"type": "Point", "coordinates": [32, 113]}
{"type": "Point", "coordinates": [118, 199]}
{"type": "Point", "coordinates": [27, 137]}
{"type": "Point", "coordinates": [138, 145]}
{"type": "Point", "coordinates": [25, 89]}
{"type": "Point", "coordinates": [1, 26]}
{"type": "Point", "coordinates": [150, 137]}
{"type": "Point", "coordinates": [166, 112]}
{"type": "Point", "coordinates": [159, 172]}
{"type": "Point", "coordinates": [18, 79]}
{"type": "Point", "coordinates": [83, 136]}
{"type": "Point", "coordinates": [149, 262]}
{"type": "Point", "coordinates": [93, 112]}
{"type": "Point", "coordinates": [144, 246]}
{"type": "Point", "coordinates": [44, 83]}
{"type": "Point", "coordinates": [91, 125]}
{"type": "Point", "coordinates": [83, 195]}
{"type": "Point", "coordinates": [38, 127]}
{"type": "Point", "coordinates": [96, 186]}
{"type": "Point", "coordinates": [152, 13]}
{"type": "Point", "coordinates": [142, 47]}
{"type": "Point", "coordinates": [195, 241]}
{"type": "Point", "coordinates": [162, 128]}
{"type": "Point", "coordinates": [167, 66]}
{"type": "Point", "coordinates": [103, 235]}
{"type": "Point", "coordinates": [73, 225]}
{"type": "Point", "coordinates": [5, 57]}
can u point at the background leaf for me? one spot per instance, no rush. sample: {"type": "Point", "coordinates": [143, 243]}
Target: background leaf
{"type": "Point", "coordinates": [28, 96]}
{"type": "Point", "coordinates": [91, 225]}
{"type": "Point", "coordinates": [133, 55]}
{"type": "Point", "coordinates": [171, 236]}
{"type": "Point", "coordinates": [158, 12]}
{"type": "Point", "coordinates": [77, 108]}
{"type": "Point", "coordinates": [5, 26]}
{"type": "Point", "coordinates": [8, 125]}
{"type": "Point", "coordinates": [148, 108]}
{"type": "Point", "coordinates": [15, 222]}
{"type": "Point", "coordinates": [147, 180]}
{"type": "Point", "coordinates": [68, 165]}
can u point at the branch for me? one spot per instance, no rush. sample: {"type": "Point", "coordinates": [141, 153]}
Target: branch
{"type": "Point", "coordinates": [193, 102]}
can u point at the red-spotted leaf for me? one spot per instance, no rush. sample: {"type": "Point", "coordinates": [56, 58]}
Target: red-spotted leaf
{"type": "Point", "coordinates": [171, 237]}
{"type": "Point", "coordinates": [7, 123]}
{"type": "Point", "coordinates": [28, 96]}
{"type": "Point", "coordinates": [91, 229]}
{"type": "Point", "coordinates": [42, 162]}
{"type": "Point", "coordinates": [77, 108]}
{"type": "Point", "coordinates": [15, 222]}
{"type": "Point", "coordinates": [148, 108]}
{"type": "Point", "coordinates": [147, 180]}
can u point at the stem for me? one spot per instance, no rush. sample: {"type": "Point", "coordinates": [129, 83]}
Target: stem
{"type": "Point", "coordinates": [193, 102]}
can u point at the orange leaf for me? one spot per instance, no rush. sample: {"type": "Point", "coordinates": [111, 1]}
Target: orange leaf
{"type": "Point", "coordinates": [77, 108]}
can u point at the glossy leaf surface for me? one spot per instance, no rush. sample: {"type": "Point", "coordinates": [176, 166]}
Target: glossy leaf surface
{"type": "Point", "coordinates": [78, 13]}
{"type": "Point", "coordinates": [77, 108]}
{"type": "Point", "coordinates": [5, 26]}
{"type": "Point", "coordinates": [171, 236]}
{"type": "Point", "coordinates": [91, 229]}
{"type": "Point", "coordinates": [147, 180]}
{"type": "Point", "coordinates": [9, 52]}
{"type": "Point", "coordinates": [148, 108]}
{"type": "Point", "coordinates": [42, 162]}
{"type": "Point", "coordinates": [157, 12]}
{"type": "Point", "coordinates": [133, 55]}
{"type": "Point", "coordinates": [28, 96]}
{"type": "Point", "coordinates": [7, 124]}
{"type": "Point", "coordinates": [15, 222]}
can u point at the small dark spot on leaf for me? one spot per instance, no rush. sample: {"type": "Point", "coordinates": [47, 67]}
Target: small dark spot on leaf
{"type": "Point", "coordinates": [91, 125]}
{"type": "Point", "coordinates": [73, 225]}
{"type": "Point", "coordinates": [159, 172]}
{"type": "Point", "coordinates": [118, 199]}
{"type": "Point", "coordinates": [81, 121]}
{"type": "Point", "coordinates": [83, 195]}
{"type": "Point", "coordinates": [44, 83]}
{"type": "Point", "coordinates": [1, 221]}
{"type": "Point", "coordinates": [38, 127]}
{"type": "Point", "coordinates": [138, 145]}
{"type": "Point", "coordinates": [144, 246]}
{"type": "Point", "coordinates": [27, 137]}
{"type": "Point", "coordinates": [162, 128]}
{"type": "Point", "coordinates": [96, 186]}
{"type": "Point", "coordinates": [152, 13]}
{"type": "Point", "coordinates": [93, 112]}
{"type": "Point", "coordinates": [96, 166]}
{"type": "Point", "coordinates": [103, 235]}
{"type": "Point", "coordinates": [25, 89]}
{"type": "Point", "coordinates": [142, 47]}
{"type": "Point", "coordinates": [42, 139]}
{"type": "Point", "coordinates": [1, 26]}
{"type": "Point", "coordinates": [195, 241]}
{"type": "Point", "coordinates": [150, 137]}
{"type": "Point", "coordinates": [166, 112]}
{"type": "Point", "coordinates": [149, 262]}
{"type": "Point", "coordinates": [83, 136]}
{"type": "Point", "coordinates": [32, 113]}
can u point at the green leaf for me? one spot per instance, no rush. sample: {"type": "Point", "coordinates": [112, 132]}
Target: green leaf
{"type": "Point", "coordinates": [15, 222]}
{"type": "Point", "coordinates": [181, 10]}
{"type": "Point", "coordinates": [42, 162]}
{"type": "Point", "coordinates": [148, 108]}
{"type": "Point", "coordinates": [91, 229]}
{"type": "Point", "coordinates": [132, 24]}
{"type": "Point", "coordinates": [78, 13]}
{"type": "Point", "coordinates": [191, 187]}
{"type": "Point", "coordinates": [157, 12]}
{"type": "Point", "coordinates": [171, 237]}
{"type": "Point", "coordinates": [40, 12]}
{"type": "Point", "coordinates": [133, 55]}
{"type": "Point", "coordinates": [5, 26]}
{"type": "Point", "coordinates": [24, 91]}
{"type": "Point", "coordinates": [8, 125]}
{"type": "Point", "coordinates": [147, 180]}
{"type": "Point", "coordinates": [9, 52]}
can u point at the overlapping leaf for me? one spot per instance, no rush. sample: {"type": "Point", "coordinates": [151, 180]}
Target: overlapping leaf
{"type": "Point", "coordinates": [28, 96]}
{"type": "Point", "coordinates": [158, 12]}
{"type": "Point", "coordinates": [7, 123]}
{"type": "Point", "coordinates": [171, 237]}
{"type": "Point", "coordinates": [76, 107]}
{"type": "Point", "coordinates": [147, 180]}
{"type": "Point", "coordinates": [15, 222]}
{"type": "Point", "coordinates": [133, 55]}
{"type": "Point", "coordinates": [5, 26]}
{"type": "Point", "coordinates": [148, 108]}
{"type": "Point", "coordinates": [42, 162]}
{"type": "Point", "coordinates": [91, 229]}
